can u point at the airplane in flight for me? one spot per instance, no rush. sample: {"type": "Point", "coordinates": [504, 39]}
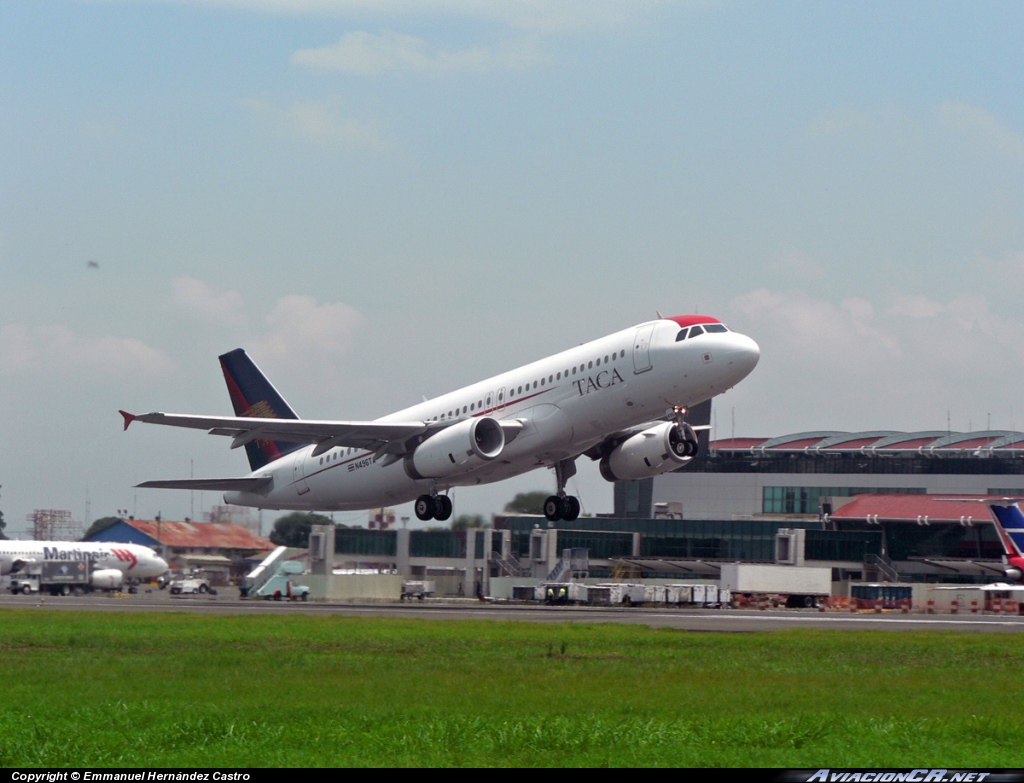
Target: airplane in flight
{"type": "Point", "coordinates": [620, 400]}
{"type": "Point", "coordinates": [112, 563]}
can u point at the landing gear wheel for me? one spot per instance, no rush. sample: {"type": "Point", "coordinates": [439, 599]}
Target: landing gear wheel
{"type": "Point", "coordinates": [425, 508]}
{"type": "Point", "coordinates": [689, 448]}
{"type": "Point", "coordinates": [443, 507]}
{"type": "Point", "coordinates": [572, 508]}
{"type": "Point", "coordinates": [554, 508]}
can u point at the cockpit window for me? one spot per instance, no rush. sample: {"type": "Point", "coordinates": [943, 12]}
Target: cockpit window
{"type": "Point", "coordinates": [695, 330]}
{"type": "Point", "coordinates": [681, 335]}
{"type": "Point", "coordinates": [715, 328]}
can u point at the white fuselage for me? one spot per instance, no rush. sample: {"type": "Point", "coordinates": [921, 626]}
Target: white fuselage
{"type": "Point", "coordinates": [567, 403]}
{"type": "Point", "coordinates": [133, 560]}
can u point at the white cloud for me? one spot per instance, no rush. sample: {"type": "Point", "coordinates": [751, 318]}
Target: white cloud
{"type": "Point", "coordinates": [317, 122]}
{"type": "Point", "coordinates": [982, 129]}
{"type": "Point", "coordinates": [368, 54]}
{"type": "Point", "coordinates": [855, 365]}
{"type": "Point", "coordinates": [28, 350]}
{"type": "Point", "coordinates": [198, 300]}
{"type": "Point", "coordinates": [304, 333]}
{"type": "Point", "coordinates": [893, 124]}
{"type": "Point", "coordinates": [811, 326]}
{"type": "Point", "coordinates": [915, 306]}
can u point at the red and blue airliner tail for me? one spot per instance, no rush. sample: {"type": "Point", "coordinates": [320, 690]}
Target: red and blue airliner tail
{"type": "Point", "coordinates": [253, 395]}
{"type": "Point", "coordinates": [1011, 518]}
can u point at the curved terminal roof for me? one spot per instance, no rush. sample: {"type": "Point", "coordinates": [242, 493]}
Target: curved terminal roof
{"type": "Point", "coordinates": [930, 443]}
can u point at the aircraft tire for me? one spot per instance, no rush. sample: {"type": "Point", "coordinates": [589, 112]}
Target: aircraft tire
{"type": "Point", "coordinates": [572, 508]}
{"type": "Point", "coordinates": [425, 508]}
{"type": "Point", "coordinates": [443, 508]}
{"type": "Point", "coordinates": [554, 508]}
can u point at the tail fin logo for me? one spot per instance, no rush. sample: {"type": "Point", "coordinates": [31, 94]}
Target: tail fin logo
{"type": "Point", "coordinates": [261, 410]}
{"type": "Point", "coordinates": [254, 396]}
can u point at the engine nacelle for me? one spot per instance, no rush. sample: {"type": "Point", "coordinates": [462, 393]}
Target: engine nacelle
{"type": "Point", "coordinates": [1013, 574]}
{"type": "Point", "coordinates": [650, 453]}
{"type": "Point", "coordinates": [457, 449]}
{"type": "Point", "coordinates": [107, 579]}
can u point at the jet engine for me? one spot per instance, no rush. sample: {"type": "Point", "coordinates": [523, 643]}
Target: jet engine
{"type": "Point", "coordinates": [1013, 574]}
{"type": "Point", "coordinates": [9, 565]}
{"type": "Point", "coordinates": [457, 449]}
{"type": "Point", "coordinates": [107, 579]}
{"type": "Point", "coordinates": [652, 452]}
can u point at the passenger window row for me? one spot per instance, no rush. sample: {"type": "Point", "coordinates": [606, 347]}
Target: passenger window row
{"type": "Point", "coordinates": [513, 392]}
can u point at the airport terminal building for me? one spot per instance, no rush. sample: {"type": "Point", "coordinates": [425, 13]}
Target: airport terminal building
{"type": "Point", "coordinates": [790, 474]}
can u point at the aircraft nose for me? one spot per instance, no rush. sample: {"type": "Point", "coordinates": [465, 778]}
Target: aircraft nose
{"type": "Point", "coordinates": [742, 355]}
{"type": "Point", "coordinates": [748, 352]}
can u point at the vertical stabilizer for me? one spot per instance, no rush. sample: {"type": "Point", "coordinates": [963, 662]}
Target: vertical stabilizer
{"type": "Point", "coordinates": [254, 396]}
{"type": "Point", "coordinates": [1011, 520]}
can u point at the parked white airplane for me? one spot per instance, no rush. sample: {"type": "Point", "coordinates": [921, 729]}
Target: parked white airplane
{"type": "Point", "coordinates": [620, 399]}
{"type": "Point", "coordinates": [111, 562]}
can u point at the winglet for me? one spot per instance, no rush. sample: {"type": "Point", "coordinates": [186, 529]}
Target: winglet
{"type": "Point", "coordinates": [128, 418]}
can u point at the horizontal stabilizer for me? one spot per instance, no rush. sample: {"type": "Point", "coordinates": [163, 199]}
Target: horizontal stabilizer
{"type": "Point", "coordinates": [252, 484]}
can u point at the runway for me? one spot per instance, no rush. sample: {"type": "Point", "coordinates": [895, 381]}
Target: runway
{"type": "Point", "coordinates": [690, 619]}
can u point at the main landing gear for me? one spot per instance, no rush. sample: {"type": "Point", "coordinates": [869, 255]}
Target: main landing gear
{"type": "Point", "coordinates": [560, 505]}
{"type": "Point", "coordinates": [437, 507]}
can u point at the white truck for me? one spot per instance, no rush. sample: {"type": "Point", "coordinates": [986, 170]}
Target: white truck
{"type": "Point", "coordinates": [795, 586]}
{"type": "Point", "coordinates": [64, 578]}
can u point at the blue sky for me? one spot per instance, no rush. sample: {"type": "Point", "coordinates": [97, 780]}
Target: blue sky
{"type": "Point", "coordinates": [385, 200]}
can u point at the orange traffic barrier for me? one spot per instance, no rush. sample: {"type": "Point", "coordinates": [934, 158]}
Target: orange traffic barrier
{"type": "Point", "coordinates": [954, 606]}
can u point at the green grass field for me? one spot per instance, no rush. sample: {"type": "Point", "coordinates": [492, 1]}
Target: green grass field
{"type": "Point", "coordinates": [248, 690]}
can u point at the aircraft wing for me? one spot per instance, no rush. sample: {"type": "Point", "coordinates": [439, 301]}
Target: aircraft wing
{"type": "Point", "coordinates": [386, 437]}
{"type": "Point", "coordinates": [251, 484]}
{"type": "Point", "coordinates": [356, 434]}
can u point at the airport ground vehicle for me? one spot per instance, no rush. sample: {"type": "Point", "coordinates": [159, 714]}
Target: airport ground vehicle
{"type": "Point", "coordinates": [794, 586]}
{"type": "Point", "coordinates": [273, 579]}
{"type": "Point", "coordinates": [192, 584]}
{"type": "Point", "coordinates": [417, 588]}
{"type": "Point", "coordinates": [64, 578]}
{"type": "Point", "coordinates": [280, 585]}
